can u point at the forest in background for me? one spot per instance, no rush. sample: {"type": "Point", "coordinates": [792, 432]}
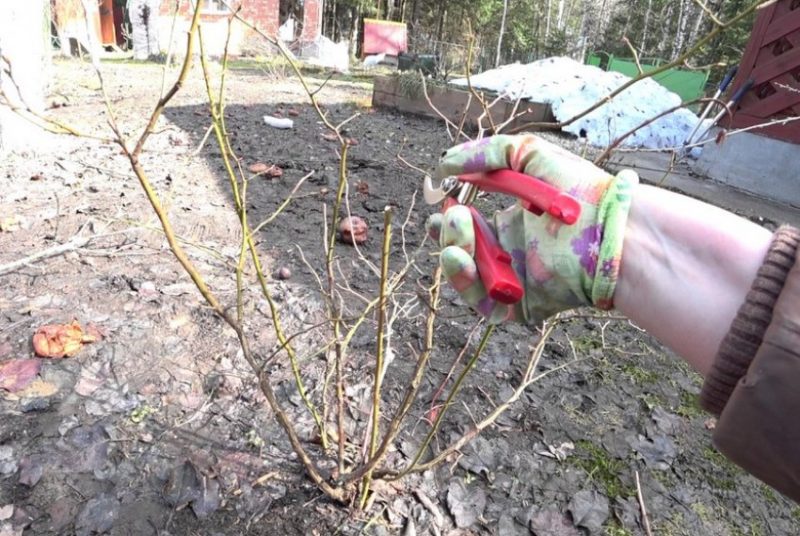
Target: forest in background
{"type": "Point", "coordinates": [508, 31]}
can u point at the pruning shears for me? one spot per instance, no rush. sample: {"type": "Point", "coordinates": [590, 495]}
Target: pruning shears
{"type": "Point", "coordinates": [535, 195]}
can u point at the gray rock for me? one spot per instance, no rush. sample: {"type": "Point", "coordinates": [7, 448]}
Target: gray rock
{"type": "Point", "coordinates": [465, 504]}
{"type": "Point", "coordinates": [589, 510]}
{"type": "Point", "coordinates": [97, 516]}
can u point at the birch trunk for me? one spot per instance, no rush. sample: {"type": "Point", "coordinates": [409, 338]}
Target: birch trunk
{"type": "Point", "coordinates": [547, 20]}
{"type": "Point", "coordinates": [502, 31]}
{"type": "Point", "coordinates": [643, 45]}
{"type": "Point", "coordinates": [680, 35]}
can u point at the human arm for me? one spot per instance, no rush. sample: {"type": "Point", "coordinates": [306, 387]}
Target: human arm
{"type": "Point", "coordinates": [686, 268]}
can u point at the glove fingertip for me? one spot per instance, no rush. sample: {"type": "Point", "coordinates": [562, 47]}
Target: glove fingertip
{"type": "Point", "coordinates": [457, 229]}
{"type": "Point", "coordinates": [433, 226]}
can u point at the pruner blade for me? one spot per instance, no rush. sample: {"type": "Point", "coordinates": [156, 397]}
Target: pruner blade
{"type": "Point", "coordinates": [436, 194]}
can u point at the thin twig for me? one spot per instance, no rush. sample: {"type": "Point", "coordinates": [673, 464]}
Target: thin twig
{"type": "Point", "coordinates": [645, 521]}
{"type": "Point", "coordinates": [453, 392]}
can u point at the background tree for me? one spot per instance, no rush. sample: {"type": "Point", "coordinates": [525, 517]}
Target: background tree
{"type": "Point", "coordinates": [535, 29]}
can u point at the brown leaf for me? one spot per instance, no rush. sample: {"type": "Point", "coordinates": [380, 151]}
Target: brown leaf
{"type": "Point", "coordinates": [351, 141]}
{"type": "Point", "coordinates": [258, 167]}
{"type": "Point", "coordinates": [294, 112]}
{"type": "Point", "coordinates": [61, 340]}
{"type": "Point", "coordinates": [37, 389]}
{"type": "Point", "coordinates": [17, 374]}
{"type": "Point", "coordinates": [330, 136]}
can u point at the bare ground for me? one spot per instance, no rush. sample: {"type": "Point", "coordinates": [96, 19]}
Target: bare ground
{"type": "Point", "coordinates": [159, 428]}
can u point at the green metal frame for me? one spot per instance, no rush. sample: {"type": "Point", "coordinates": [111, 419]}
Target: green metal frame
{"type": "Point", "coordinates": [689, 85]}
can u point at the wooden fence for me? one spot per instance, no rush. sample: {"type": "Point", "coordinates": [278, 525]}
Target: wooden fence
{"type": "Point", "coordinates": [772, 61]}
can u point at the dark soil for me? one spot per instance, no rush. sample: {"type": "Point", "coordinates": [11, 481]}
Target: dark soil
{"type": "Point", "coordinates": [159, 428]}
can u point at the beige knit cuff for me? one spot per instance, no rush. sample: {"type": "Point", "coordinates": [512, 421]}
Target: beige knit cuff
{"type": "Point", "coordinates": [740, 345]}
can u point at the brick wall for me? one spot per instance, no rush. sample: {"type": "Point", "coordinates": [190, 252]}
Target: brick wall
{"type": "Point", "coordinates": [312, 20]}
{"type": "Point", "coordinates": [262, 13]}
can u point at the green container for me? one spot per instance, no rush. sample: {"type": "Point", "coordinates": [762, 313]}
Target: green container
{"type": "Point", "coordinates": [689, 85]}
{"type": "Point", "coordinates": [417, 62]}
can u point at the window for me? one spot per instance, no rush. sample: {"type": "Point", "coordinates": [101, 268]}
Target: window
{"type": "Point", "coordinates": [215, 6]}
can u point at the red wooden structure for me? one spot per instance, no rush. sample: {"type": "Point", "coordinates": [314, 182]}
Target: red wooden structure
{"type": "Point", "coordinates": [384, 37]}
{"type": "Point", "coordinates": [772, 61]}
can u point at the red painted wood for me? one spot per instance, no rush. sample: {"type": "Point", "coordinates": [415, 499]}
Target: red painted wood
{"type": "Point", "coordinates": [785, 25]}
{"type": "Point", "coordinates": [772, 60]}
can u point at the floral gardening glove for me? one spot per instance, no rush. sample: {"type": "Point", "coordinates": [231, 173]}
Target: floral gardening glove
{"type": "Point", "coordinates": [561, 266]}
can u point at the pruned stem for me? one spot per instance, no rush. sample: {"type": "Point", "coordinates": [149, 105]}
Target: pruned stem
{"type": "Point", "coordinates": [381, 347]}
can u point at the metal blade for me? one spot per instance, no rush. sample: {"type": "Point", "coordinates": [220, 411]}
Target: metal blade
{"type": "Point", "coordinates": [435, 195]}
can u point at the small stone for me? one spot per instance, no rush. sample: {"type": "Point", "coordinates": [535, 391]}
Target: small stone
{"type": "Point", "coordinates": [28, 405]}
{"type": "Point", "coordinates": [353, 230]}
{"type": "Point", "coordinates": [148, 290]}
{"type": "Point", "coordinates": [293, 112]}
{"type": "Point", "coordinates": [282, 274]}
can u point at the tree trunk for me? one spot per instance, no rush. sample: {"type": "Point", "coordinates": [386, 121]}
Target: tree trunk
{"type": "Point", "coordinates": [440, 30]}
{"type": "Point", "coordinates": [560, 18]}
{"type": "Point", "coordinates": [547, 20]}
{"type": "Point", "coordinates": [354, 31]}
{"type": "Point", "coordinates": [500, 37]}
{"type": "Point", "coordinates": [643, 45]}
{"type": "Point", "coordinates": [665, 28]}
{"type": "Point", "coordinates": [680, 35]}
{"type": "Point", "coordinates": [698, 23]}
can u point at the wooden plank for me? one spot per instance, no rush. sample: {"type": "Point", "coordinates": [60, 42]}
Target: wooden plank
{"type": "Point", "coordinates": [789, 132]}
{"type": "Point", "coordinates": [774, 104]}
{"type": "Point", "coordinates": [780, 65]}
{"type": "Point", "coordinates": [452, 103]}
{"type": "Point", "coordinates": [782, 26]}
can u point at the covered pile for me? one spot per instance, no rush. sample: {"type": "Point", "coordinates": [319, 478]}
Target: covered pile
{"type": "Point", "coordinates": [571, 87]}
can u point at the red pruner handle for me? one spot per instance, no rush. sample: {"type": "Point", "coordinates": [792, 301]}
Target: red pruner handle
{"type": "Point", "coordinates": [494, 264]}
{"type": "Point", "coordinates": [536, 195]}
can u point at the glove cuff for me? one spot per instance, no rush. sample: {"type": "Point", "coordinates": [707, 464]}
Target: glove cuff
{"type": "Point", "coordinates": [612, 218]}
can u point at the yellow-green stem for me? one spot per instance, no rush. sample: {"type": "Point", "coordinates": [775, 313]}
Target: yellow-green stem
{"type": "Point", "coordinates": [277, 326]}
{"type": "Point", "coordinates": [381, 348]}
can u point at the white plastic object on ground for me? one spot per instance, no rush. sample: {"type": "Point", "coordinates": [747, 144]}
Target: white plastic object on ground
{"type": "Point", "coordinates": [571, 87]}
{"type": "Point", "coordinates": [279, 122]}
{"type": "Point", "coordinates": [374, 60]}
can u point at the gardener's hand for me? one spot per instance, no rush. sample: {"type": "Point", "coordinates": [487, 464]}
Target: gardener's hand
{"type": "Point", "coordinates": [561, 266]}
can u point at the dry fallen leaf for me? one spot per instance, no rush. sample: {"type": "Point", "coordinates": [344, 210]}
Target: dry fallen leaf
{"type": "Point", "coordinates": [258, 167]}
{"type": "Point", "coordinates": [62, 340]}
{"type": "Point", "coordinates": [330, 136]}
{"type": "Point", "coordinates": [269, 171]}
{"type": "Point", "coordinates": [37, 389]}
{"type": "Point", "coordinates": [17, 374]}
